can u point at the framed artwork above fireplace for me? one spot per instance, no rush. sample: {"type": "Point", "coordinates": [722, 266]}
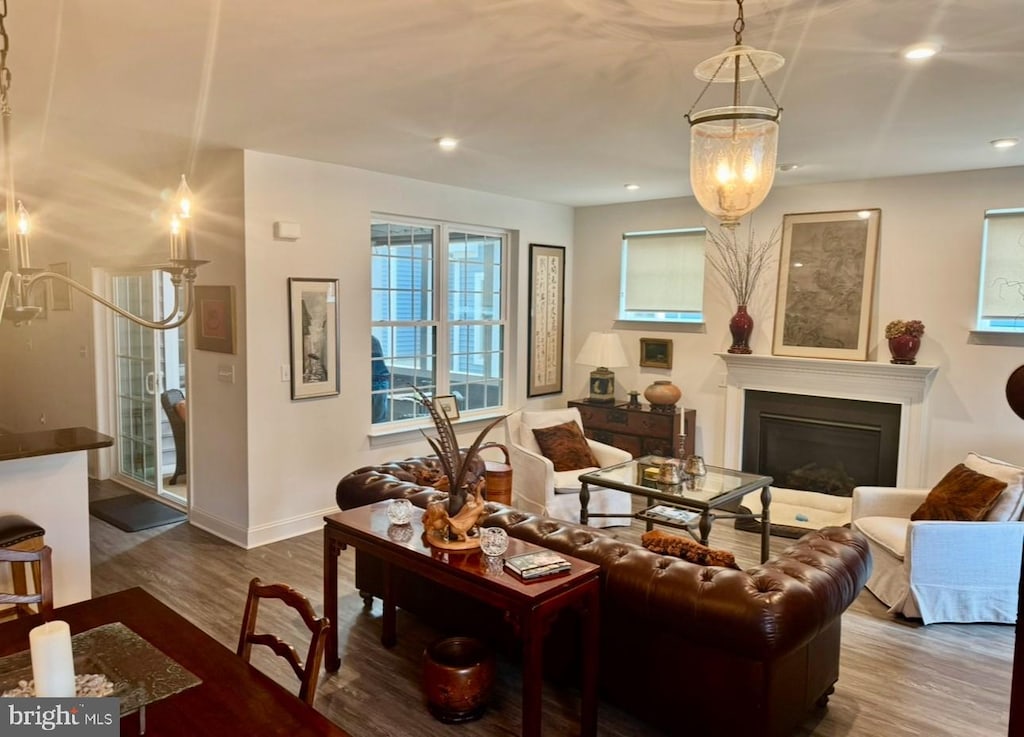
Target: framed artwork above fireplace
{"type": "Point", "coordinates": [826, 284]}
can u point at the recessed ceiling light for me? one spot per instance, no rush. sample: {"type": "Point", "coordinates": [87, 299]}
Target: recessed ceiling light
{"type": "Point", "coordinates": [447, 143]}
{"type": "Point", "coordinates": [920, 52]}
{"type": "Point", "coordinates": [1005, 142]}
{"type": "Point", "coordinates": [864, 214]}
{"type": "Point", "coordinates": [632, 187]}
{"type": "Point", "coordinates": [788, 167]}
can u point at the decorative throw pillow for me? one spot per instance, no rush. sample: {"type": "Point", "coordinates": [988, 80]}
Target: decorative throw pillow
{"type": "Point", "coordinates": [1010, 503]}
{"type": "Point", "coordinates": [659, 542]}
{"type": "Point", "coordinates": [565, 446]}
{"type": "Point", "coordinates": [962, 494]}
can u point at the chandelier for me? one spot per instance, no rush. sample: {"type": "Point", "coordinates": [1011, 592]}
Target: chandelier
{"type": "Point", "coordinates": [20, 278]}
{"type": "Point", "coordinates": [733, 149]}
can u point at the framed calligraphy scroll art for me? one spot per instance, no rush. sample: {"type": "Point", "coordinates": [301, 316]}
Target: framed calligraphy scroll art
{"type": "Point", "coordinates": [826, 284]}
{"type": "Point", "coordinates": [314, 337]}
{"type": "Point", "coordinates": [546, 320]}
{"type": "Point", "coordinates": [215, 327]}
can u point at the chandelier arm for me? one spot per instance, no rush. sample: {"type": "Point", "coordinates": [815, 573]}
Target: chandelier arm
{"type": "Point", "coordinates": [163, 324]}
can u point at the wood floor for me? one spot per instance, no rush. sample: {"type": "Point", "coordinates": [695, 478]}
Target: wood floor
{"type": "Point", "coordinates": [897, 678]}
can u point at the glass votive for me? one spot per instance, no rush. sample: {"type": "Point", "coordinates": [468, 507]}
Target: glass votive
{"type": "Point", "coordinates": [493, 540]}
{"type": "Point", "coordinates": [400, 533]}
{"type": "Point", "coordinates": [400, 511]}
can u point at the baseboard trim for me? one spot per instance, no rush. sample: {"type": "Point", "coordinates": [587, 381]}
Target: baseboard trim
{"type": "Point", "coordinates": [273, 532]}
{"type": "Point", "coordinates": [218, 526]}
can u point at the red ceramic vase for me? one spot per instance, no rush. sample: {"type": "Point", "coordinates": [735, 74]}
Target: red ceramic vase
{"type": "Point", "coordinates": [741, 326]}
{"type": "Point", "coordinates": [904, 349]}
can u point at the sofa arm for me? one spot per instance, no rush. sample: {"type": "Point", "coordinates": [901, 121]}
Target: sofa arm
{"type": "Point", "coordinates": [608, 455]}
{"type": "Point", "coordinates": [886, 501]}
{"type": "Point", "coordinates": [977, 554]}
{"type": "Point", "coordinates": [533, 478]}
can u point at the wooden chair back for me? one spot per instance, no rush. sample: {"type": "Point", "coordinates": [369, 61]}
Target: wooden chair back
{"type": "Point", "coordinates": [308, 673]}
{"type": "Point", "coordinates": [43, 596]}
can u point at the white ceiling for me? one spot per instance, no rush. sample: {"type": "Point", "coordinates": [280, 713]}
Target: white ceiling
{"type": "Point", "coordinates": [556, 100]}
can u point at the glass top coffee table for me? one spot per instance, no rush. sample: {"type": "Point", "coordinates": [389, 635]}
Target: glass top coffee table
{"type": "Point", "coordinates": [713, 495]}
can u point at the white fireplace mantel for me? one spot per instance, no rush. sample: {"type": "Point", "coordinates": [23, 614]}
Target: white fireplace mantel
{"type": "Point", "coordinates": [870, 381]}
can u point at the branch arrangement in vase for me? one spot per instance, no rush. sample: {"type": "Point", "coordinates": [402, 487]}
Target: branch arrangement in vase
{"type": "Point", "coordinates": [741, 263]}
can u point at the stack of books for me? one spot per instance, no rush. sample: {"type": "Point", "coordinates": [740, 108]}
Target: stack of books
{"type": "Point", "coordinates": [537, 565]}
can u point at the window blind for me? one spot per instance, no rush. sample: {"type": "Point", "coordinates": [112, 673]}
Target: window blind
{"type": "Point", "coordinates": [1002, 268]}
{"type": "Point", "coordinates": [664, 272]}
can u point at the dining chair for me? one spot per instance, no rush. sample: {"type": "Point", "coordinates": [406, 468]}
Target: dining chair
{"type": "Point", "coordinates": [309, 673]}
{"type": "Point", "coordinates": [43, 595]}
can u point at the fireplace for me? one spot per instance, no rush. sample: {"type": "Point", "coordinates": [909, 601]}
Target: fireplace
{"type": "Point", "coordinates": [820, 444]}
{"type": "Point", "coordinates": [896, 445]}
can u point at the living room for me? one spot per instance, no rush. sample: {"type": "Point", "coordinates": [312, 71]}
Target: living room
{"type": "Point", "coordinates": [263, 466]}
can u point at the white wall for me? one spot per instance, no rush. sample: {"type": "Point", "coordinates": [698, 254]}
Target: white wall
{"type": "Point", "coordinates": [928, 267]}
{"type": "Point", "coordinates": [298, 450]}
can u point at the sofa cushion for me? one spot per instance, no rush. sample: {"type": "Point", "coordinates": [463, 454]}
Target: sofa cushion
{"type": "Point", "coordinates": [661, 542]}
{"type": "Point", "coordinates": [1010, 504]}
{"type": "Point", "coordinates": [889, 533]}
{"type": "Point", "coordinates": [565, 446]}
{"type": "Point", "coordinates": [568, 482]}
{"type": "Point", "coordinates": [543, 418]}
{"type": "Point", "coordinates": [962, 494]}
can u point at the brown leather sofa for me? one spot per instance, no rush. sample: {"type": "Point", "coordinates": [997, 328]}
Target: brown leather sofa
{"type": "Point", "coordinates": [695, 650]}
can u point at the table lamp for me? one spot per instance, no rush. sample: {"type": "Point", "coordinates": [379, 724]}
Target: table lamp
{"type": "Point", "coordinates": [603, 350]}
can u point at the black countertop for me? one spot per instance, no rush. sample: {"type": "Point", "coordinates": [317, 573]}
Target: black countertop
{"type": "Point", "coordinates": [48, 442]}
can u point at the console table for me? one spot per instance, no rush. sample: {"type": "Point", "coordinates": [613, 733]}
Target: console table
{"type": "Point", "coordinates": [639, 430]}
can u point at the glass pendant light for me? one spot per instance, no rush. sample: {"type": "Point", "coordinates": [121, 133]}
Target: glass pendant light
{"type": "Point", "coordinates": [733, 149]}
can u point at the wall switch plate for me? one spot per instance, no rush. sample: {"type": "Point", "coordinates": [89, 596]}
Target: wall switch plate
{"type": "Point", "coordinates": [226, 374]}
{"type": "Point", "coordinates": [286, 372]}
{"type": "Point", "coordinates": [285, 231]}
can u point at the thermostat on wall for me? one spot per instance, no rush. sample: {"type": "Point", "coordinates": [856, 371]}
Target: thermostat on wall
{"type": "Point", "coordinates": [284, 231]}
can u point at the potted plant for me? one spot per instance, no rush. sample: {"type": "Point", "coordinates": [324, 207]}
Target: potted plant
{"type": "Point", "coordinates": [740, 265]}
{"type": "Point", "coordinates": [904, 338]}
{"type": "Point", "coordinates": [451, 522]}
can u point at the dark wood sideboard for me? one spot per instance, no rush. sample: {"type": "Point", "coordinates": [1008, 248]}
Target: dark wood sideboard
{"type": "Point", "coordinates": [639, 430]}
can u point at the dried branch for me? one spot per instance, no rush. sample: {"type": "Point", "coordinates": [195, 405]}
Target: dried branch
{"type": "Point", "coordinates": [741, 265]}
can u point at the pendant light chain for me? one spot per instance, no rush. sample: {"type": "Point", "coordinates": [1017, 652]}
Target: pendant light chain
{"type": "Point", "coordinates": [739, 24]}
{"type": "Point", "coordinates": [5, 73]}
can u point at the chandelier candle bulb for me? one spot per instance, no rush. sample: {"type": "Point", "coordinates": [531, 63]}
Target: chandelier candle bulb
{"type": "Point", "coordinates": [21, 238]}
{"type": "Point", "coordinates": [53, 667]}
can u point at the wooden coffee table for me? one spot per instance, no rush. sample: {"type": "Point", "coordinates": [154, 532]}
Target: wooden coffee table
{"type": "Point", "coordinates": [530, 607]}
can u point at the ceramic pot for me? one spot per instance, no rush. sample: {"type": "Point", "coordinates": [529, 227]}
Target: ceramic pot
{"type": "Point", "coordinates": [904, 349]}
{"type": "Point", "coordinates": [458, 674]}
{"type": "Point", "coordinates": [662, 394]}
{"type": "Point", "coordinates": [741, 325]}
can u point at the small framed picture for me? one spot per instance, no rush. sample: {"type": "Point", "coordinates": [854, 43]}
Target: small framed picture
{"type": "Point", "coordinates": [315, 353]}
{"type": "Point", "coordinates": [447, 406]}
{"type": "Point", "coordinates": [215, 308]}
{"type": "Point", "coordinates": [656, 353]}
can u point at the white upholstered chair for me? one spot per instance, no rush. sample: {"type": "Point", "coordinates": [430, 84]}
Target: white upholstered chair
{"type": "Point", "coordinates": [945, 571]}
{"type": "Point", "coordinates": [538, 488]}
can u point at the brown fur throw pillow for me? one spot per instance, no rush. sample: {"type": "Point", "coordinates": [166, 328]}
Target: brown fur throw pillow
{"type": "Point", "coordinates": [962, 494]}
{"type": "Point", "coordinates": [565, 446]}
{"type": "Point", "coordinates": [660, 542]}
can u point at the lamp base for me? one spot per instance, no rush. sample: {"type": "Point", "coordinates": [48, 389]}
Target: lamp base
{"type": "Point", "coordinates": [602, 386]}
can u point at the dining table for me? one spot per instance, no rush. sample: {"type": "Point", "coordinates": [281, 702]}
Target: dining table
{"type": "Point", "coordinates": [220, 694]}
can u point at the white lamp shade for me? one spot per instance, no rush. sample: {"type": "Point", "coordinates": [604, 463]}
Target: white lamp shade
{"type": "Point", "coordinates": [602, 349]}
{"type": "Point", "coordinates": [732, 160]}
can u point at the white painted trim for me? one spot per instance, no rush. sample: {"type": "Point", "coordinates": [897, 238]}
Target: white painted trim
{"type": "Point", "coordinates": [282, 530]}
{"type": "Point", "coordinates": [218, 526]}
{"type": "Point", "coordinates": [870, 381]}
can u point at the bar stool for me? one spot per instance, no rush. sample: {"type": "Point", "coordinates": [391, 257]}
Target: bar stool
{"type": "Point", "coordinates": [21, 535]}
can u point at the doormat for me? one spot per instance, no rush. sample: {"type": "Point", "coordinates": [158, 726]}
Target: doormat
{"type": "Point", "coordinates": [134, 512]}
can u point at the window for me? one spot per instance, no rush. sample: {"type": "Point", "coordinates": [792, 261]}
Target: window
{"type": "Point", "coordinates": [438, 317]}
{"type": "Point", "coordinates": [663, 276]}
{"type": "Point", "coordinates": [1001, 291]}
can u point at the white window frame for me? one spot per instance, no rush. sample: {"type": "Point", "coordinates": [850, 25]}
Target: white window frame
{"type": "Point", "coordinates": [688, 317]}
{"type": "Point", "coordinates": [1002, 272]}
{"type": "Point", "coordinates": [442, 323]}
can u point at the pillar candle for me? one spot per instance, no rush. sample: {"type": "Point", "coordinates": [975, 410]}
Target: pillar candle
{"type": "Point", "coordinates": [53, 668]}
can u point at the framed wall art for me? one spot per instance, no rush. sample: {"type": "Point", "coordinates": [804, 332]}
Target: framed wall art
{"type": "Point", "coordinates": [447, 405]}
{"type": "Point", "coordinates": [313, 333]}
{"type": "Point", "coordinates": [656, 353]}
{"type": "Point", "coordinates": [826, 284]}
{"type": "Point", "coordinates": [546, 320]}
{"type": "Point", "coordinates": [215, 319]}
{"type": "Point", "coordinates": [62, 300]}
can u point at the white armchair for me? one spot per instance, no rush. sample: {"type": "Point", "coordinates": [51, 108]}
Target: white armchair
{"type": "Point", "coordinates": [538, 488]}
{"type": "Point", "coordinates": [944, 571]}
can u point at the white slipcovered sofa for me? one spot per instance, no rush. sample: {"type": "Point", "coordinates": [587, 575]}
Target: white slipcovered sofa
{"type": "Point", "coordinates": [943, 571]}
{"type": "Point", "coordinates": [538, 488]}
